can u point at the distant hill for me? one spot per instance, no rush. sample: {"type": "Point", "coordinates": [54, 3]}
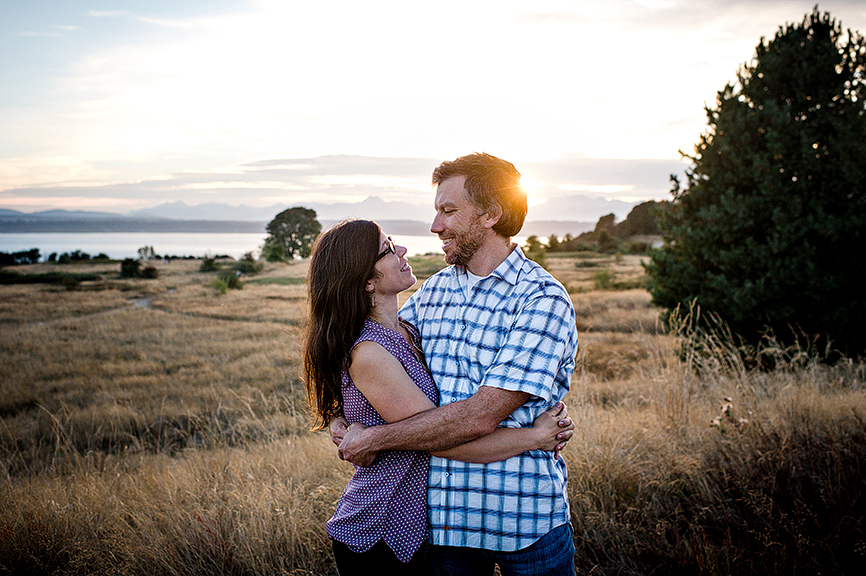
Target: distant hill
{"type": "Point", "coordinates": [63, 221]}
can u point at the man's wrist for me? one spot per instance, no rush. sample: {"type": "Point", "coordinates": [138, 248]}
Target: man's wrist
{"type": "Point", "coordinates": [373, 438]}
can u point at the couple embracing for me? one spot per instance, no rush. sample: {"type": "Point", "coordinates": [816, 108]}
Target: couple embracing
{"type": "Point", "coordinates": [472, 369]}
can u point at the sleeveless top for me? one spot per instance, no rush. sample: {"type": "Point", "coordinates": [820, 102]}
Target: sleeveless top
{"type": "Point", "coordinates": [387, 500]}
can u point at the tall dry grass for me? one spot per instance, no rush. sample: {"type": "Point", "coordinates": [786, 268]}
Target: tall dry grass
{"type": "Point", "coordinates": [698, 465]}
{"type": "Point", "coordinates": [255, 510]}
{"type": "Point", "coordinates": [155, 427]}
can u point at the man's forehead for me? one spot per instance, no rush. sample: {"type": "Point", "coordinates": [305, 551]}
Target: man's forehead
{"type": "Point", "coordinates": [451, 192]}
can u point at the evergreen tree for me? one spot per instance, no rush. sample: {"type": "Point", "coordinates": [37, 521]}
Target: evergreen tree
{"type": "Point", "coordinates": [292, 233]}
{"type": "Point", "coordinates": [769, 230]}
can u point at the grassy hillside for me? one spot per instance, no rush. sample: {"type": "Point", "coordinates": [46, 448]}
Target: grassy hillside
{"type": "Point", "coordinates": [158, 427]}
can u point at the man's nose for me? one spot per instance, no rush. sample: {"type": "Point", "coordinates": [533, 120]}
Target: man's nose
{"type": "Point", "coordinates": [436, 227]}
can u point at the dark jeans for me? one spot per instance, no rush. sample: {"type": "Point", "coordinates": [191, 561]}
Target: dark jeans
{"type": "Point", "coordinates": [379, 560]}
{"type": "Point", "coordinates": [552, 554]}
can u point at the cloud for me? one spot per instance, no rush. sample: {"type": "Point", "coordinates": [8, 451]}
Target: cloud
{"type": "Point", "coordinates": [162, 22]}
{"type": "Point", "coordinates": [348, 98]}
{"type": "Point", "coordinates": [605, 185]}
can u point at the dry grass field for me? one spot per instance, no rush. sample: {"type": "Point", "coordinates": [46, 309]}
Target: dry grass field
{"type": "Point", "coordinates": [156, 427]}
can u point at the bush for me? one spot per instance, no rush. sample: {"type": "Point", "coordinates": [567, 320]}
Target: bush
{"type": "Point", "coordinates": [75, 256]}
{"type": "Point", "coordinates": [24, 257]}
{"type": "Point", "coordinates": [129, 268]}
{"type": "Point", "coordinates": [274, 253]}
{"type": "Point", "coordinates": [220, 286]}
{"type": "Point", "coordinates": [208, 264]}
{"type": "Point", "coordinates": [227, 280]}
{"type": "Point", "coordinates": [248, 265]}
{"type": "Point", "coordinates": [604, 279]}
{"type": "Point", "coordinates": [150, 272]}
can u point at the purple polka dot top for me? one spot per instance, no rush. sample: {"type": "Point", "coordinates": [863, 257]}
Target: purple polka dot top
{"type": "Point", "coordinates": [388, 500]}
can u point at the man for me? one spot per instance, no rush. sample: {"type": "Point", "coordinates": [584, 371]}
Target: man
{"type": "Point", "coordinates": [499, 337]}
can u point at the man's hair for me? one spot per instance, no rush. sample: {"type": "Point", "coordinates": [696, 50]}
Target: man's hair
{"type": "Point", "coordinates": [490, 182]}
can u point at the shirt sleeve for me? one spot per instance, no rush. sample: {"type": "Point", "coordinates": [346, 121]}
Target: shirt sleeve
{"type": "Point", "coordinates": [537, 355]}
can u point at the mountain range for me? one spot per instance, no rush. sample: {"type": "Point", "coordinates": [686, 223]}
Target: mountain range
{"type": "Point", "coordinates": [396, 217]}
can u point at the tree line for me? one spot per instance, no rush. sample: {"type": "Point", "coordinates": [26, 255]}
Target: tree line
{"type": "Point", "coordinates": [628, 236]}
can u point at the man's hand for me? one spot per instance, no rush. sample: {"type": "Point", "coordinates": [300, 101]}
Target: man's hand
{"type": "Point", "coordinates": [355, 446]}
{"type": "Point", "coordinates": [567, 428]}
{"type": "Point", "coordinates": [337, 428]}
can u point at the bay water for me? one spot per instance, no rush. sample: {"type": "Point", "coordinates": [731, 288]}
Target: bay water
{"type": "Point", "coordinates": [119, 245]}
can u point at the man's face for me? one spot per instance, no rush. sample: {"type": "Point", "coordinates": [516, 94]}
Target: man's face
{"type": "Point", "coordinates": [457, 222]}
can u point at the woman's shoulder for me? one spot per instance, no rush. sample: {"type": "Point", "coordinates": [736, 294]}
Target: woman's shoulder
{"type": "Point", "coordinates": [368, 353]}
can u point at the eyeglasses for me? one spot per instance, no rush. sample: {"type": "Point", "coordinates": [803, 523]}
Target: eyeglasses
{"type": "Point", "coordinates": [389, 249]}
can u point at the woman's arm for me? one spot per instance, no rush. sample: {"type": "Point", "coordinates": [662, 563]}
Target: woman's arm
{"type": "Point", "coordinates": [550, 431]}
{"type": "Point", "coordinates": [380, 377]}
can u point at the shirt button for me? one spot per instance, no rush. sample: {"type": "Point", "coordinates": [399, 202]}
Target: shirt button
{"type": "Point", "coordinates": [454, 398]}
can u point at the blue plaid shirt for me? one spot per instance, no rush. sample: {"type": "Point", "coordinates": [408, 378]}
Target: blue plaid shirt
{"type": "Point", "coordinates": [514, 330]}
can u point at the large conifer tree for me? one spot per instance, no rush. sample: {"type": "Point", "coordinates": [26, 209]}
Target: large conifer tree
{"type": "Point", "coordinates": [770, 230]}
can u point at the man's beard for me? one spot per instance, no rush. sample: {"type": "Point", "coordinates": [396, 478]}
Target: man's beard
{"type": "Point", "coordinates": [466, 244]}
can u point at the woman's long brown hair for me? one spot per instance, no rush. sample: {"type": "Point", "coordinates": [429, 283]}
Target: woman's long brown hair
{"type": "Point", "coordinates": [341, 263]}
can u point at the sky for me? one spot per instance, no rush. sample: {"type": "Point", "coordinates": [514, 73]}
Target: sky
{"type": "Point", "coordinates": [124, 105]}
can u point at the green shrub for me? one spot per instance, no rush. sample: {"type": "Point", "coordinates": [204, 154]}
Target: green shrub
{"type": "Point", "coordinates": [248, 266]}
{"type": "Point", "coordinates": [227, 280]}
{"type": "Point", "coordinates": [604, 279]}
{"type": "Point", "coordinates": [208, 264]}
{"type": "Point", "coordinates": [220, 286]}
{"type": "Point", "coordinates": [274, 253]}
{"type": "Point", "coordinates": [129, 268]}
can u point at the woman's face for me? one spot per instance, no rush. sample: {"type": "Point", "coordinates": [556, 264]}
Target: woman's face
{"type": "Point", "coordinates": [393, 273]}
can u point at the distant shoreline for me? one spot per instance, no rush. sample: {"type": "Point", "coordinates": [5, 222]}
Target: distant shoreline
{"type": "Point", "coordinates": [119, 225]}
{"type": "Point", "coordinates": [128, 225]}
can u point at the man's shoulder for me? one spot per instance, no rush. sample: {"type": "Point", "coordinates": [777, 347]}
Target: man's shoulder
{"type": "Point", "coordinates": [534, 277]}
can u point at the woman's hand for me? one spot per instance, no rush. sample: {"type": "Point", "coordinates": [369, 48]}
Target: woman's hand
{"type": "Point", "coordinates": [554, 428]}
{"type": "Point", "coordinates": [337, 428]}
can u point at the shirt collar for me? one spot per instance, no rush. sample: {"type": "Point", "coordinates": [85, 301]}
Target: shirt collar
{"type": "Point", "coordinates": [508, 270]}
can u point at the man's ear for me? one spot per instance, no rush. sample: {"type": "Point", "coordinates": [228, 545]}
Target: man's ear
{"type": "Point", "coordinates": [493, 215]}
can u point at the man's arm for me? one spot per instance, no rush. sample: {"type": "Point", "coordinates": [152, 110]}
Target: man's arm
{"type": "Point", "coordinates": [437, 429]}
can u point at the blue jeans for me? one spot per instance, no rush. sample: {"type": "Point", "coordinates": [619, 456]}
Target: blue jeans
{"type": "Point", "coordinates": [552, 554]}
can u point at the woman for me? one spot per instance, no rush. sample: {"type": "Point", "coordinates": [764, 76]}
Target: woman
{"type": "Point", "coordinates": [362, 361]}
